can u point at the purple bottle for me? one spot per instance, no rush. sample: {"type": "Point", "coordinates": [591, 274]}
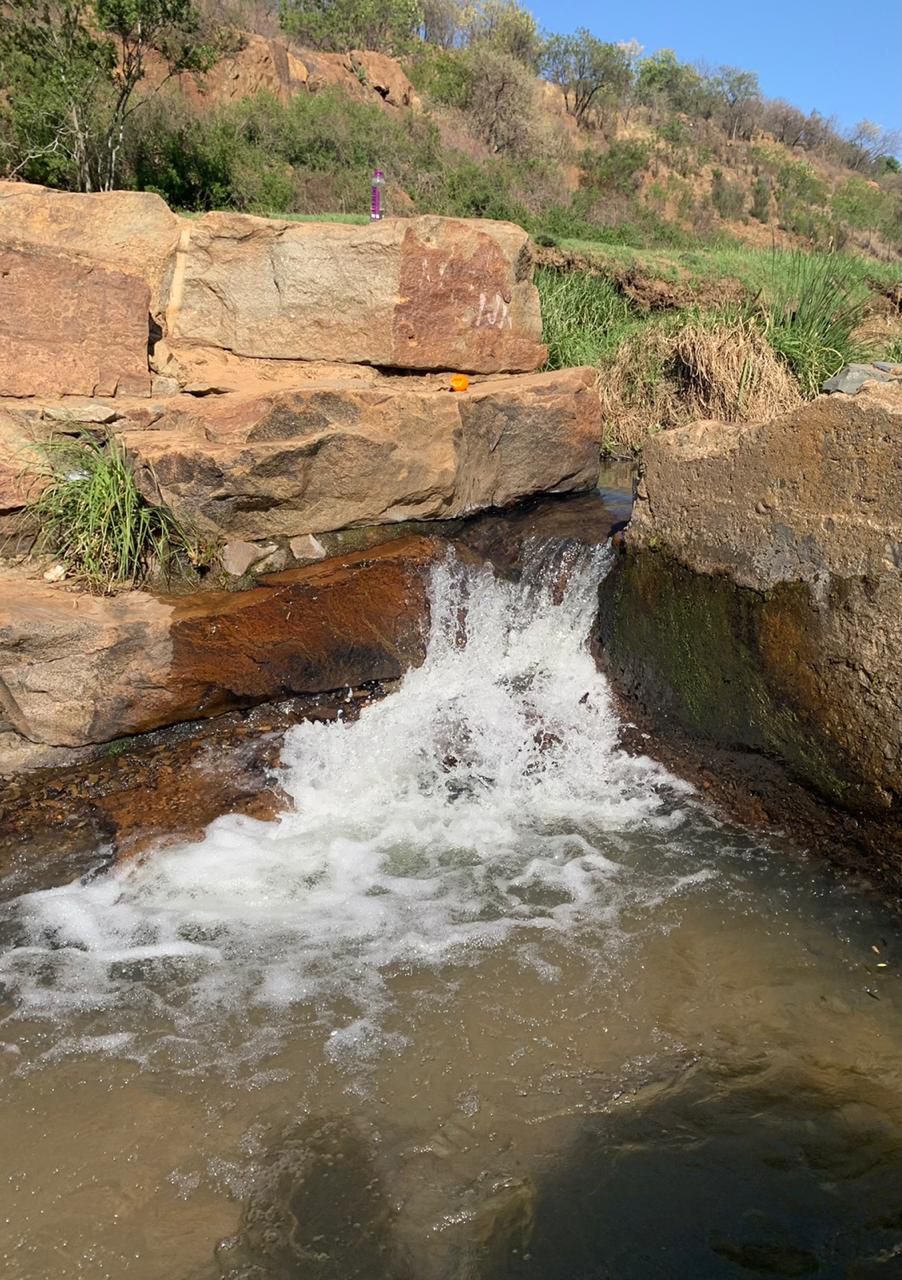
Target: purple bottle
{"type": "Point", "coordinates": [376, 196]}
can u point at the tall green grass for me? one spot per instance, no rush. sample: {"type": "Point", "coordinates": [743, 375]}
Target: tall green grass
{"type": "Point", "coordinates": [584, 317]}
{"type": "Point", "coordinates": [811, 314]}
{"type": "Point", "coordinates": [92, 516]}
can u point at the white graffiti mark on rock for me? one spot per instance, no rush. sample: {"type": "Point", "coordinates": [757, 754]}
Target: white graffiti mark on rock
{"type": "Point", "coordinates": [496, 316]}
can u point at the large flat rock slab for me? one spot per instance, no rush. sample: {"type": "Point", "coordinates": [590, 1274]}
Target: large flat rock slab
{"type": "Point", "coordinates": [335, 454]}
{"type": "Point", "coordinates": [422, 293]}
{"type": "Point", "coordinates": [419, 293]}
{"type": "Point", "coordinates": [78, 669]}
{"type": "Point", "coordinates": [70, 328]}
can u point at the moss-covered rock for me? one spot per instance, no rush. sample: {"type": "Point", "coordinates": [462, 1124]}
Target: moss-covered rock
{"type": "Point", "coordinates": [758, 599]}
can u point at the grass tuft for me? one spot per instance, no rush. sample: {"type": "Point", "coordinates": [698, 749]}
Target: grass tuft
{"type": "Point", "coordinates": [812, 314]}
{"type": "Point", "coordinates": [690, 368]}
{"type": "Point", "coordinates": [92, 516]}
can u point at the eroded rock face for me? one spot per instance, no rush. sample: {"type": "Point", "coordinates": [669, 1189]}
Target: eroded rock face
{"type": "Point", "coordinates": [78, 669]}
{"type": "Point", "coordinates": [70, 328]}
{"type": "Point", "coordinates": [132, 232]}
{"type": "Point", "coordinates": [336, 454]}
{"type": "Point", "coordinates": [418, 293]}
{"type": "Point", "coordinates": [759, 599]}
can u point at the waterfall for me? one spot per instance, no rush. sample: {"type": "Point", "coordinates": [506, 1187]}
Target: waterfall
{"type": "Point", "coordinates": [481, 801]}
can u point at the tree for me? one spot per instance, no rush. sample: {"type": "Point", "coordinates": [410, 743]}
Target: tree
{"type": "Point", "coordinates": [389, 26]}
{"type": "Point", "coordinates": [787, 123]}
{"type": "Point", "coordinates": [443, 22]}
{"type": "Point", "coordinates": [588, 71]}
{"type": "Point", "coordinates": [500, 99]}
{"type": "Point", "coordinates": [664, 82]}
{"type": "Point", "coordinates": [507, 28]}
{"type": "Point", "coordinates": [869, 143]}
{"type": "Point", "coordinates": [741, 96]}
{"type": "Point", "coordinates": [72, 69]}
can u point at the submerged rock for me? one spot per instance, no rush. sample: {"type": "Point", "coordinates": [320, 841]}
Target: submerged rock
{"type": "Point", "coordinates": [759, 598]}
{"type": "Point", "coordinates": [319, 1210]}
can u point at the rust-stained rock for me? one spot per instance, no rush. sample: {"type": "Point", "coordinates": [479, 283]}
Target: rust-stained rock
{"type": "Point", "coordinates": [70, 328]}
{"type": "Point", "coordinates": [336, 454]}
{"type": "Point", "coordinates": [419, 293]}
{"type": "Point", "coordinates": [132, 232]}
{"type": "Point", "coordinates": [759, 600]}
{"type": "Point", "coordinates": [78, 669]}
{"type": "Point", "coordinates": [423, 293]}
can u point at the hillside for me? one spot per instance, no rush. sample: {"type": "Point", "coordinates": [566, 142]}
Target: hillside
{"type": "Point", "coordinates": [645, 175]}
{"type": "Point", "coordinates": [678, 214]}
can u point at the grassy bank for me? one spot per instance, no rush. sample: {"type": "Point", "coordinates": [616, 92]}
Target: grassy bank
{"type": "Point", "coordinates": [727, 332]}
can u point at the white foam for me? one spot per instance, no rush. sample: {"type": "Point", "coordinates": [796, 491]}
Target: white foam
{"type": "Point", "coordinates": [482, 799]}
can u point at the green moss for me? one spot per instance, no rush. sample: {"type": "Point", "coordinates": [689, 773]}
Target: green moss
{"type": "Point", "coordinates": [701, 649]}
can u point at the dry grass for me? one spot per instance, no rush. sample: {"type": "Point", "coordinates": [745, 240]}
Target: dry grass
{"type": "Point", "coordinates": [665, 376]}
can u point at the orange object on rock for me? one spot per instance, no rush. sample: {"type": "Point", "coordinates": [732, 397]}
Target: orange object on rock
{"type": "Point", "coordinates": [459, 382]}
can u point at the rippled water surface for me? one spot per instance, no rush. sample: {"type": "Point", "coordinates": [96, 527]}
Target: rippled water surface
{"type": "Point", "coordinates": [492, 999]}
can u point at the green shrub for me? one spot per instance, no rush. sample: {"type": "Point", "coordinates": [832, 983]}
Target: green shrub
{"type": "Point", "coordinates": [761, 200]}
{"type": "Point", "coordinates": [867, 207]}
{"type": "Point", "coordinates": [619, 169]}
{"type": "Point", "coordinates": [92, 516]}
{"type": "Point", "coordinates": [341, 25]}
{"type": "Point", "coordinates": [441, 74]}
{"type": "Point", "coordinates": [727, 197]}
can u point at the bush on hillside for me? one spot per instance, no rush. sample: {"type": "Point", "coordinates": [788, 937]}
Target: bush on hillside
{"type": "Point", "coordinates": [620, 168]}
{"type": "Point", "coordinates": [342, 25]}
{"type": "Point", "coordinates": [727, 197]}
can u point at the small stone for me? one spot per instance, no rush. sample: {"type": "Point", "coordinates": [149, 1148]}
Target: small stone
{"type": "Point", "coordinates": [275, 562]}
{"type": "Point", "coordinates": [851, 379]}
{"type": "Point", "coordinates": [161, 357]}
{"type": "Point", "coordinates": [55, 573]}
{"type": "Point", "coordinates": [306, 548]}
{"type": "Point", "coordinates": [164, 386]}
{"type": "Point", "coordinates": [85, 411]}
{"type": "Point", "coordinates": [237, 557]}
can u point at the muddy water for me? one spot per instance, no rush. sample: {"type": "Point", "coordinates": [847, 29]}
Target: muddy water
{"type": "Point", "coordinates": [491, 999]}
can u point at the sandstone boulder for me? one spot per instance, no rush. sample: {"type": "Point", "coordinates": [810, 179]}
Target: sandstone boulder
{"type": "Point", "coordinates": [759, 599]}
{"type": "Point", "coordinates": [70, 328]}
{"type": "Point", "coordinates": [419, 293]}
{"type": "Point", "coordinates": [336, 454]}
{"type": "Point", "coordinates": [78, 669]}
{"type": "Point", "coordinates": [130, 232]}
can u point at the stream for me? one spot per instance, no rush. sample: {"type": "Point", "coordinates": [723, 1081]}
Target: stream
{"type": "Point", "coordinates": [491, 999]}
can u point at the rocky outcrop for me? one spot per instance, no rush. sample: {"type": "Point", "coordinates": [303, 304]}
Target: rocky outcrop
{"type": "Point", "coordinates": [92, 285]}
{"type": "Point", "coordinates": [759, 598]}
{"type": "Point", "coordinates": [260, 65]}
{"type": "Point", "coordinates": [340, 453]}
{"type": "Point", "coordinates": [78, 669]}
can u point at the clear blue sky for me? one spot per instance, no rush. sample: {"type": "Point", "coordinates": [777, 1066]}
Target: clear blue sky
{"type": "Point", "coordinates": [841, 59]}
